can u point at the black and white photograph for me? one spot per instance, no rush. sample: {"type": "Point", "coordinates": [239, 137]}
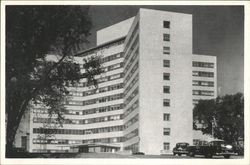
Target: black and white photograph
{"type": "Point", "coordinates": [123, 82]}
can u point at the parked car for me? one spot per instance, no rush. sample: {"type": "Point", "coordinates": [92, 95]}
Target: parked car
{"type": "Point", "coordinates": [138, 153]}
{"type": "Point", "coordinates": [216, 147]}
{"type": "Point", "coordinates": [181, 148]}
{"type": "Point", "coordinates": [239, 150]}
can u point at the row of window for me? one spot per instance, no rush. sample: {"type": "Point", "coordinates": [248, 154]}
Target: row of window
{"type": "Point", "coordinates": [105, 140]}
{"type": "Point", "coordinates": [134, 45]}
{"type": "Point", "coordinates": [203, 83]}
{"type": "Point", "coordinates": [72, 102]}
{"type": "Point", "coordinates": [203, 93]}
{"type": "Point", "coordinates": [56, 141]}
{"type": "Point", "coordinates": [131, 121]}
{"type": "Point", "coordinates": [104, 47]}
{"type": "Point", "coordinates": [131, 36]}
{"type": "Point", "coordinates": [113, 67]}
{"type": "Point", "coordinates": [100, 80]}
{"type": "Point", "coordinates": [77, 131]}
{"type": "Point", "coordinates": [135, 67]}
{"type": "Point", "coordinates": [128, 54]}
{"type": "Point", "coordinates": [203, 64]}
{"type": "Point", "coordinates": [40, 110]}
{"type": "Point", "coordinates": [49, 151]}
{"type": "Point", "coordinates": [76, 93]}
{"type": "Point", "coordinates": [111, 88]}
{"type": "Point", "coordinates": [66, 141]}
{"type": "Point", "coordinates": [110, 78]}
{"type": "Point", "coordinates": [131, 108]}
{"type": "Point", "coordinates": [83, 112]}
{"type": "Point", "coordinates": [112, 57]}
{"type": "Point", "coordinates": [107, 59]}
{"type": "Point", "coordinates": [96, 91]}
{"type": "Point", "coordinates": [131, 134]}
{"type": "Point", "coordinates": [133, 94]}
{"type": "Point", "coordinates": [103, 99]}
{"type": "Point", "coordinates": [79, 84]}
{"type": "Point", "coordinates": [95, 101]}
{"type": "Point", "coordinates": [95, 110]}
{"type": "Point", "coordinates": [166, 49]}
{"type": "Point", "coordinates": [80, 121]}
{"type": "Point", "coordinates": [132, 69]}
{"type": "Point", "coordinates": [133, 147]}
{"type": "Point", "coordinates": [135, 80]}
{"type": "Point", "coordinates": [131, 61]}
{"type": "Point", "coordinates": [203, 74]}
{"type": "Point", "coordinates": [166, 76]}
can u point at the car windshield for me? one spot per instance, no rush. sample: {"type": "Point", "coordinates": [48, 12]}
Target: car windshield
{"type": "Point", "coordinates": [217, 143]}
{"type": "Point", "coordinates": [203, 143]}
{"type": "Point", "coordinates": [181, 144]}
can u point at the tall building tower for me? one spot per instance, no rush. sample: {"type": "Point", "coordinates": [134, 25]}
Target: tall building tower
{"type": "Point", "coordinates": [145, 98]}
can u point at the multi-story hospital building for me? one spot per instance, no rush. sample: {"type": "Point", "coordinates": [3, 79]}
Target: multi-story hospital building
{"type": "Point", "coordinates": [145, 97]}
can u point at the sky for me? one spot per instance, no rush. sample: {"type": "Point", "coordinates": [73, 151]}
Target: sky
{"type": "Point", "coordinates": [217, 31]}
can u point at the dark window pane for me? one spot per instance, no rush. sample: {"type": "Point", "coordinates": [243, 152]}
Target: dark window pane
{"type": "Point", "coordinates": [166, 24]}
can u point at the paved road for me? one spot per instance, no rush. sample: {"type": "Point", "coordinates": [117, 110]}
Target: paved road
{"type": "Point", "coordinates": [181, 157]}
{"type": "Point", "coordinates": [110, 155]}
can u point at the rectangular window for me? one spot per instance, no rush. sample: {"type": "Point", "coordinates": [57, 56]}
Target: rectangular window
{"type": "Point", "coordinates": [196, 141]}
{"type": "Point", "coordinates": [203, 83]}
{"type": "Point", "coordinates": [115, 66]}
{"type": "Point", "coordinates": [116, 76]}
{"type": "Point", "coordinates": [166, 63]}
{"type": "Point", "coordinates": [203, 92]}
{"type": "Point", "coordinates": [166, 37]}
{"type": "Point", "coordinates": [166, 76]}
{"type": "Point", "coordinates": [166, 89]}
{"type": "Point", "coordinates": [166, 102]}
{"type": "Point", "coordinates": [74, 103]}
{"type": "Point", "coordinates": [203, 64]}
{"type": "Point", "coordinates": [166, 146]}
{"type": "Point", "coordinates": [166, 50]}
{"type": "Point", "coordinates": [203, 74]}
{"type": "Point", "coordinates": [166, 131]}
{"type": "Point", "coordinates": [166, 24]}
{"type": "Point", "coordinates": [166, 117]}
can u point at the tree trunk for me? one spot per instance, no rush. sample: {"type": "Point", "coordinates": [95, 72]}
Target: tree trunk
{"type": "Point", "coordinates": [16, 111]}
{"type": "Point", "coordinates": [11, 132]}
{"type": "Point", "coordinates": [12, 127]}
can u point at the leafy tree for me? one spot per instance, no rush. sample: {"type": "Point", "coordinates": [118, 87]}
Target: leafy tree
{"type": "Point", "coordinates": [222, 117]}
{"type": "Point", "coordinates": [33, 32]}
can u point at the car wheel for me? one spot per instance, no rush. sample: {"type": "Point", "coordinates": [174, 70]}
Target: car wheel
{"type": "Point", "coordinates": [179, 154]}
{"type": "Point", "coordinates": [174, 154]}
{"type": "Point", "coordinates": [191, 154]}
{"type": "Point", "coordinates": [227, 156]}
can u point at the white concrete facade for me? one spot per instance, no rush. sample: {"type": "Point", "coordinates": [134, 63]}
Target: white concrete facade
{"type": "Point", "coordinates": [151, 79]}
{"type": "Point", "coordinates": [142, 122]}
